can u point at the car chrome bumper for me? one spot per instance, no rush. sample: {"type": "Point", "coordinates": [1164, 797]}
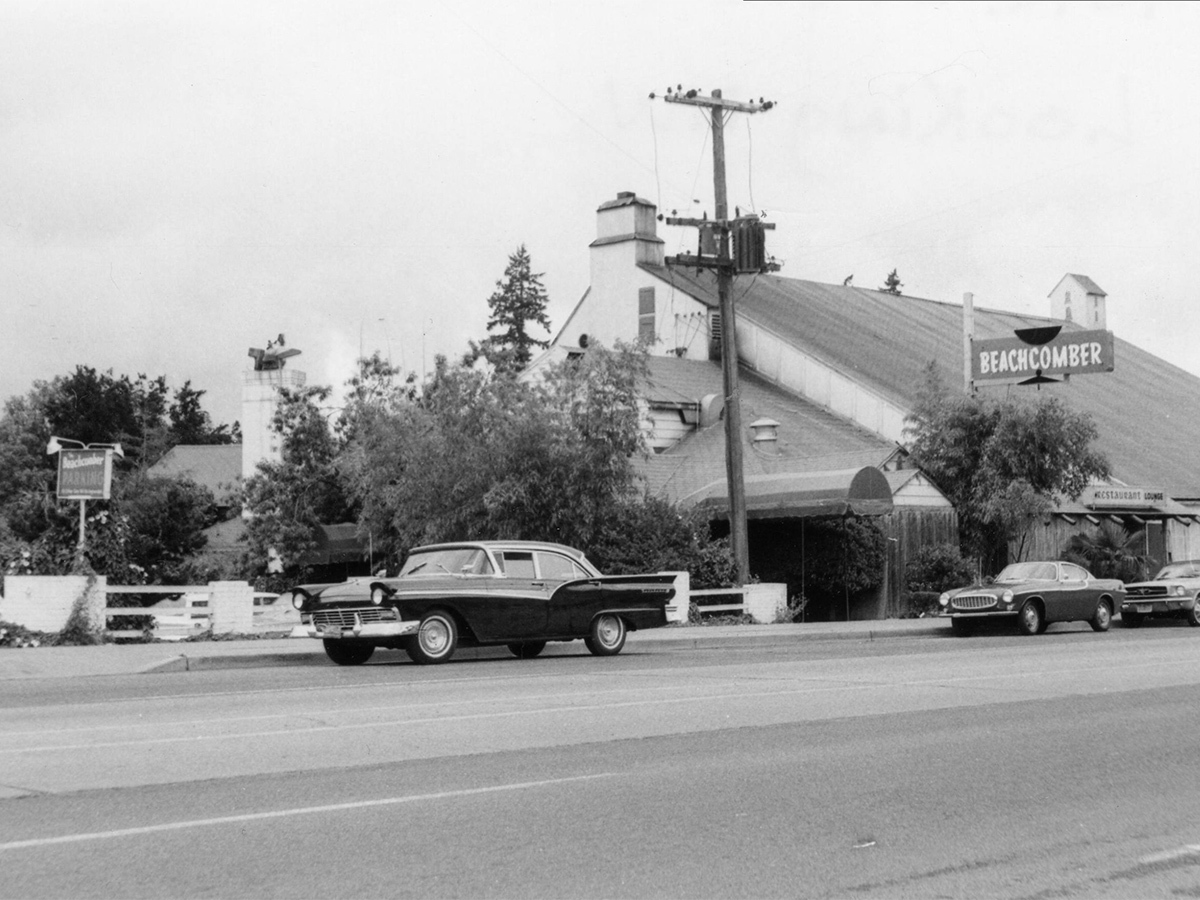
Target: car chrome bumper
{"type": "Point", "coordinates": [361, 630]}
{"type": "Point", "coordinates": [982, 614]}
{"type": "Point", "coordinates": [1157, 606]}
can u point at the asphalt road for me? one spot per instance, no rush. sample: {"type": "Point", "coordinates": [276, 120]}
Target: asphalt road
{"type": "Point", "coordinates": [1060, 765]}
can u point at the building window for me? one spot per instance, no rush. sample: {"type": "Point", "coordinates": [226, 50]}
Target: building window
{"type": "Point", "coordinates": [646, 315]}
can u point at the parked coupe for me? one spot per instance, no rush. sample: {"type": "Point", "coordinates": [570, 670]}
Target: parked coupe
{"type": "Point", "coordinates": [1034, 594]}
{"type": "Point", "coordinates": [1174, 593]}
{"type": "Point", "coordinates": [516, 593]}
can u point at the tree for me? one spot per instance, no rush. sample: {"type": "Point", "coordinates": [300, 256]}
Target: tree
{"type": "Point", "coordinates": [1109, 551]}
{"type": "Point", "coordinates": [190, 424]}
{"type": "Point", "coordinates": [893, 284]}
{"type": "Point", "coordinates": [519, 301]}
{"type": "Point", "coordinates": [289, 498]}
{"type": "Point", "coordinates": [40, 533]}
{"type": "Point", "coordinates": [482, 456]}
{"type": "Point", "coordinates": [1001, 463]}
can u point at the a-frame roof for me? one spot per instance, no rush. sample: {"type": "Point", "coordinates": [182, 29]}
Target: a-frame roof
{"type": "Point", "coordinates": [1147, 411]}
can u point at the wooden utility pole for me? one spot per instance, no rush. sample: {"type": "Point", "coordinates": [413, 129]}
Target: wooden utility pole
{"type": "Point", "coordinates": [725, 266]}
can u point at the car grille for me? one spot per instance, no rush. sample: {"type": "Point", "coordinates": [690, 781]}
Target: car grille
{"type": "Point", "coordinates": [1147, 590]}
{"type": "Point", "coordinates": [973, 602]}
{"type": "Point", "coordinates": [346, 617]}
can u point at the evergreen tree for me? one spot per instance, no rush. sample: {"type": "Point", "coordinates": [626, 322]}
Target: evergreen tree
{"type": "Point", "coordinates": [893, 284]}
{"type": "Point", "coordinates": [518, 302]}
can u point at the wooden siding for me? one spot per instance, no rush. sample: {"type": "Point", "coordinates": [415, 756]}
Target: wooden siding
{"type": "Point", "coordinates": [908, 530]}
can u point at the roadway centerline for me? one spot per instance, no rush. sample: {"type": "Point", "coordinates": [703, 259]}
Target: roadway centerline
{"type": "Point", "coordinates": [286, 813]}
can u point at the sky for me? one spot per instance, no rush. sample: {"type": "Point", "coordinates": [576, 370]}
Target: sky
{"type": "Point", "coordinates": [182, 181]}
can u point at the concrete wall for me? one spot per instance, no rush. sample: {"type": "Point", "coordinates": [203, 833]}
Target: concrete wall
{"type": "Point", "coordinates": [44, 602]}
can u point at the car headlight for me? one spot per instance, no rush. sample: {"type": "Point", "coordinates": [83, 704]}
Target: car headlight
{"type": "Point", "coordinates": [378, 595]}
{"type": "Point", "coordinates": [1179, 591]}
{"type": "Point", "coordinates": [298, 598]}
{"type": "Point", "coordinates": [944, 600]}
{"type": "Point", "coordinates": [1007, 597]}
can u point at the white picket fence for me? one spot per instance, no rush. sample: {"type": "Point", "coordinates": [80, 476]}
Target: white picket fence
{"type": "Point", "coordinates": [195, 614]}
{"type": "Point", "coordinates": [761, 602]}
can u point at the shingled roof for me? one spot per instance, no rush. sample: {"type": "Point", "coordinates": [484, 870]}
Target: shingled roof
{"type": "Point", "coordinates": [1147, 411]}
{"type": "Point", "coordinates": [811, 439]}
{"type": "Point", "coordinates": [217, 467]}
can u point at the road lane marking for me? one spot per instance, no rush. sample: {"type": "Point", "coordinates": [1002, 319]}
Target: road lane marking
{"type": "Point", "coordinates": [740, 695]}
{"type": "Point", "coordinates": [309, 712]}
{"type": "Point", "coordinates": [286, 813]}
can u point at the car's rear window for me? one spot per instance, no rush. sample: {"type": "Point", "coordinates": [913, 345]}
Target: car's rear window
{"type": "Point", "coordinates": [556, 567]}
{"type": "Point", "coordinates": [517, 564]}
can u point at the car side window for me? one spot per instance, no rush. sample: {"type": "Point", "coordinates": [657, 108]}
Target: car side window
{"type": "Point", "coordinates": [1073, 573]}
{"type": "Point", "coordinates": [557, 567]}
{"type": "Point", "coordinates": [517, 565]}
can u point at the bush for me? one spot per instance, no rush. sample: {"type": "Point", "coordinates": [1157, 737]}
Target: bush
{"type": "Point", "coordinates": [917, 604]}
{"type": "Point", "coordinates": [937, 568]}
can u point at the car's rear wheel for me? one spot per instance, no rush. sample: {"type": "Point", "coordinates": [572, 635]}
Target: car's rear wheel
{"type": "Point", "coordinates": [607, 635]}
{"type": "Point", "coordinates": [527, 649]}
{"type": "Point", "coordinates": [1030, 619]}
{"type": "Point", "coordinates": [435, 640]}
{"type": "Point", "coordinates": [1101, 619]}
{"type": "Point", "coordinates": [345, 653]}
{"type": "Point", "coordinates": [1193, 617]}
{"type": "Point", "coordinates": [1131, 619]}
{"type": "Point", "coordinates": [961, 627]}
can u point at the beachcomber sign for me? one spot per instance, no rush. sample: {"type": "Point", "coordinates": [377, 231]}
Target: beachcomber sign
{"type": "Point", "coordinates": [1070, 353]}
{"type": "Point", "coordinates": [84, 474]}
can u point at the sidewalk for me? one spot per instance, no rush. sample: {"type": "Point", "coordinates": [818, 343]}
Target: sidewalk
{"type": "Point", "coordinates": [131, 659]}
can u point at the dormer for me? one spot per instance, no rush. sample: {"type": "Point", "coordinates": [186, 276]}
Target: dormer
{"type": "Point", "coordinates": [1078, 299]}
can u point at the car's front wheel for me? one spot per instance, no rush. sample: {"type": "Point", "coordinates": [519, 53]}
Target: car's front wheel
{"type": "Point", "coordinates": [1193, 618]}
{"type": "Point", "coordinates": [527, 649]}
{"type": "Point", "coordinates": [1030, 618]}
{"type": "Point", "coordinates": [435, 640]}
{"type": "Point", "coordinates": [1101, 619]}
{"type": "Point", "coordinates": [345, 653]}
{"type": "Point", "coordinates": [606, 636]}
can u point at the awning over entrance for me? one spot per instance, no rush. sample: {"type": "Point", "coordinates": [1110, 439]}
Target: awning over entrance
{"type": "Point", "coordinates": [860, 492]}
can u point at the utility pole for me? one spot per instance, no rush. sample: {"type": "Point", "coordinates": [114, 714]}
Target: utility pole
{"type": "Point", "coordinates": [750, 257]}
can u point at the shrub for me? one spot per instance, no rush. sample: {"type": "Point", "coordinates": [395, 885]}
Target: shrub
{"type": "Point", "coordinates": [937, 568]}
{"type": "Point", "coordinates": [917, 604]}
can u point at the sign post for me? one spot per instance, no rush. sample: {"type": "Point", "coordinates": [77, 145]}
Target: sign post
{"type": "Point", "coordinates": [84, 473]}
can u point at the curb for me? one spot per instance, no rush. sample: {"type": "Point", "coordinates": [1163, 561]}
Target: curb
{"type": "Point", "coordinates": [723, 641]}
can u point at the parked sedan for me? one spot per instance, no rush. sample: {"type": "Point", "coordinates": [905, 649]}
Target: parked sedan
{"type": "Point", "coordinates": [1034, 594]}
{"type": "Point", "coordinates": [516, 593]}
{"type": "Point", "coordinates": [1174, 593]}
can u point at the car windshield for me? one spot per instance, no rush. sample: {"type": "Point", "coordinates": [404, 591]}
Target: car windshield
{"type": "Point", "coordinates": [452, 560]}
{"type": "Point", "coordinates": [1189, 569]}
{"type": "Point", "coordinates": [1028, 571]}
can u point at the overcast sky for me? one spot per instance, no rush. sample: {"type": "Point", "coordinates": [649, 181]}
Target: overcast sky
{"type": "Point", "coordinates": [180, 181]}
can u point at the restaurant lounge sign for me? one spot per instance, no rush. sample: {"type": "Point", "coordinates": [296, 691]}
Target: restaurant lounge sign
{"type": "Point", "coordinates": [1069, 353]}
